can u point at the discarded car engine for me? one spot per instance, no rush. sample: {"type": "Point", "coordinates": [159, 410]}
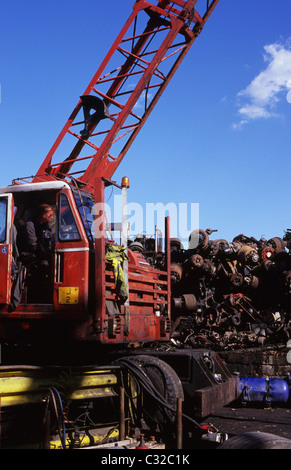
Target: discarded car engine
{"type": "Point", "coordinates": [229, 295]}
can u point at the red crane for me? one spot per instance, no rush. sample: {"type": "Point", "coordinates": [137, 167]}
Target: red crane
{"type": "Point", "coordinates": [82, 302]}
{"type": "Point", "coordinates": [102, 126]}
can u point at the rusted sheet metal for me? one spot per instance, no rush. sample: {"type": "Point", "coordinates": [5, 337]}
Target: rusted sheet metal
{"type": "Point", "coordinates": [210, 399]}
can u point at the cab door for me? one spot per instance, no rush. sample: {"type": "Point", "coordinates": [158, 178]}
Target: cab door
{"type": "Point", "coordinates": [72, 258]}
{"type": "Point", "coordinates": [6, 246]}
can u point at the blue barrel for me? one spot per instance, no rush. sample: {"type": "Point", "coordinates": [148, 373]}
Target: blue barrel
{"type": "Point", "coordinates": [255, 389]}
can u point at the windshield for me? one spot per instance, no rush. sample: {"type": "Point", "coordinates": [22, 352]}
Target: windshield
{"type": "Point", "coordinates": [85, 203]}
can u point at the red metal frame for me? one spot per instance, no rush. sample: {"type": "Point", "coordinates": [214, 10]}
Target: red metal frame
{"type": "Point", "coordinates": [149, 290]}
{"type": "Point", "coordinates": [150, 47]}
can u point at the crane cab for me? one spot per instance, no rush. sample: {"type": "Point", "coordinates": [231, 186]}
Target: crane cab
{"type": "Point", "coordinates": [27, 292]}
{"type": "Point", "coordinates": [75, 298]}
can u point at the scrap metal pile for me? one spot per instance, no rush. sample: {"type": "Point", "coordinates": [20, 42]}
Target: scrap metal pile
{"type": "Point", "coordinates": [228, 295]}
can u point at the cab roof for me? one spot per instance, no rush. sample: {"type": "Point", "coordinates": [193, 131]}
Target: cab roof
{"type": "Point", "coordinates": [31, 187]}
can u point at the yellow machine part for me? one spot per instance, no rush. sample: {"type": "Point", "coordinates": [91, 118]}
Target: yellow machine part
{"type": "Point", "coordinates": [93, 438]}
{"type": "Point", "coordinates": [19, 387]}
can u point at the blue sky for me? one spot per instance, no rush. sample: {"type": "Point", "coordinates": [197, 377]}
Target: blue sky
{"type": "Point", "coordinates": [219, 137]}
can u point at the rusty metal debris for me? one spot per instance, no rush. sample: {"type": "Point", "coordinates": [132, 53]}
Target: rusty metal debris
{"type": "Point", "coordinates": [231, 294]}
{"type": "Point", "coordinates": [228, 295]}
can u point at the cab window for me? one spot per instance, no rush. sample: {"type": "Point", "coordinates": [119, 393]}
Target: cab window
{"type": "Point", "coordinates": [85, 206]}
{"type": "Point", "coordinates": [68, 229]}
{"type": "Point", "coordinates": [3, 218]}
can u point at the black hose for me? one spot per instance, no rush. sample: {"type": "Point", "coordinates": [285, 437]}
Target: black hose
{"type": "Point", "coordinates": [144, 381]}
{"type": "Point", "coordinates": [54, 397]}
{"type": "Point", "coordinates": [62, 415]}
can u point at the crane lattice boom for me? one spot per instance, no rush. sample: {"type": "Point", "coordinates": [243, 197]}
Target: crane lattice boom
{"type": "Point", "coordinates": [125, 89]}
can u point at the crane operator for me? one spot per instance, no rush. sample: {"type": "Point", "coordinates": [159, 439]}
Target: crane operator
{"type": "Point", "coordinates": [37, 253]}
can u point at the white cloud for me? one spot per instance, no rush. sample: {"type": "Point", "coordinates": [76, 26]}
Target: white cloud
{"type": "Point", "coordinates": [261, 97]}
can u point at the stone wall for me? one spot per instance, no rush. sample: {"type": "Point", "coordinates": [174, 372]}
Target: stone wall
{"type": "Point", "coordinates": [258, 362]}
